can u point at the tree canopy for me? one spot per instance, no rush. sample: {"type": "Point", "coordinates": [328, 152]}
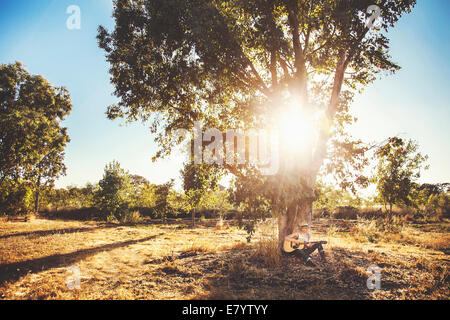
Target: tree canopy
{"type": "Point", "coordinates": [244, 64]}
{"type": "Point", "coordinates": [32, 140]}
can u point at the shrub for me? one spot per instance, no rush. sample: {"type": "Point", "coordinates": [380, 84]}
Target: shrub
{"type": "Point", "coordinates": [347, 212]}
{"type": "Point", "coordinates": [79, 214]}
{"type": "Point", "coordinates": [15, 197]}
{"type": "Point", "coordinates": [321, 213]}
{"type": "Point", "coordinates": [162, 206]}
{"type": "Point", "coordinates": [221, 225]}
{"type": "Point", "coordinates": [111, 219]}
{"type": "Point", "coordinates": [133, 217]}
{"type": "Point", "coordinates": [268, 251]}
{"type": "Point", "coordinates": [113, 197]}
{"type": "Point", "coordinates": [438, 206]}
{"type": "Point", "coordinates": [370, 213]}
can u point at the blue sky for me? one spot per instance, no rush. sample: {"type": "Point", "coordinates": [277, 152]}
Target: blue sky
{"type": "Point", "coordinates": [413, 103]}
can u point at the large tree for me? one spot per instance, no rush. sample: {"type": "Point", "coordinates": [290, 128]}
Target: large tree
{"type": "Point", "coordinates": [245, 64]}
{"type": "Point", "coordinates": [32, 140]}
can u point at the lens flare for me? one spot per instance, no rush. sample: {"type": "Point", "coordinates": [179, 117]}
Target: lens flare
{"type": "Point", "coordinates": [297, 129]}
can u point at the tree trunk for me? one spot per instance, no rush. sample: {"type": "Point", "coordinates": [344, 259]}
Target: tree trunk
{"type": "Point", "coordinates": [36, 202]}
{"type": "Point", "coordinates": [297, 214]}
{"type": "Point", "coordinates": [193, 218]}
{"type": "Point", "coordinates": [36, 199]}
{"type": "Point", "coordinates": [389, 217]}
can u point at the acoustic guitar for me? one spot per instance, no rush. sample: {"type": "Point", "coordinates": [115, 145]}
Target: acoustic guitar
{"type": "Point", "coordinates": [290, 246]}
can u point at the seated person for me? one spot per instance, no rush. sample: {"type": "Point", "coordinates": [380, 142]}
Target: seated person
{"type": "Point", "coordinates": [302, 238]}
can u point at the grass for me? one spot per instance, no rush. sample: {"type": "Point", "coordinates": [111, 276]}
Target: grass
{"type": "Point", "coordinates": [402, 233]}
{"type": "Point", "coordinates": [214, 261]}
{"type": "Point", "coordinates": [132, 218]}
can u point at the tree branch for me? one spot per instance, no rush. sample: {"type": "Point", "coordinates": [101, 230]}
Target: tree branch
{"type": "Point", "coordinates": [343, 61]}
{"type": "Point", "coordinates": [300, 73]}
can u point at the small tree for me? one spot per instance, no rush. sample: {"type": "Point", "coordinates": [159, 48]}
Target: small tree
{"type": "Point", "coordinates": [247, 193]}
{"type": "Point", "coordinates": [438, 205]}
{"type": "Point", "coordinates": [114, 195]}
{"type": "Point", "coordinates": [177, 201]}
{"type": "Point", "coordinates": [162, 206]}
{"type": "Point", "coordinates": [432, 199]}
{"type": "Point", "coordinates": [60, 198]}
{"type": "Point", "coordinates": [219, 201]}
{"type": "Point", "coordinates": [329, 197]}
{"type": "Point", "coordinates": [399, 165]}
{"type": "Point", "coordinates": [198, 179]}
{"type": "Point", "coordinates": [144, 192]}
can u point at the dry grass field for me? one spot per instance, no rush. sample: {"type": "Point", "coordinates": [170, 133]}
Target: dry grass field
{"type": "Point", "coordinates": [174, 261]}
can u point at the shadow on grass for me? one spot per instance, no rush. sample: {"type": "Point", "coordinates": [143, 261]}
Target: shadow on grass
{"type": "Point", "coordinates": [72, 214]}
{"type": "Point", "coordinates": [13, 271]}
{"type": "Point", "coordinates": [43, 233]}
{"type": "Point", "coordinates": [248, 277]}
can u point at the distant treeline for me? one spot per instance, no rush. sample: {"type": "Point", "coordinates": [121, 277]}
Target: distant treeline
{"type": "Point", "coordinates": [429, 201]}
{"type": "Point", "coordinates": [119, 194]}
{"type": "Point", "coordinates": [150, 200]}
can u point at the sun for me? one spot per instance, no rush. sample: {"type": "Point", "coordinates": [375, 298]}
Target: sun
{"type": "Point", "coordinates": [296, 128]}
